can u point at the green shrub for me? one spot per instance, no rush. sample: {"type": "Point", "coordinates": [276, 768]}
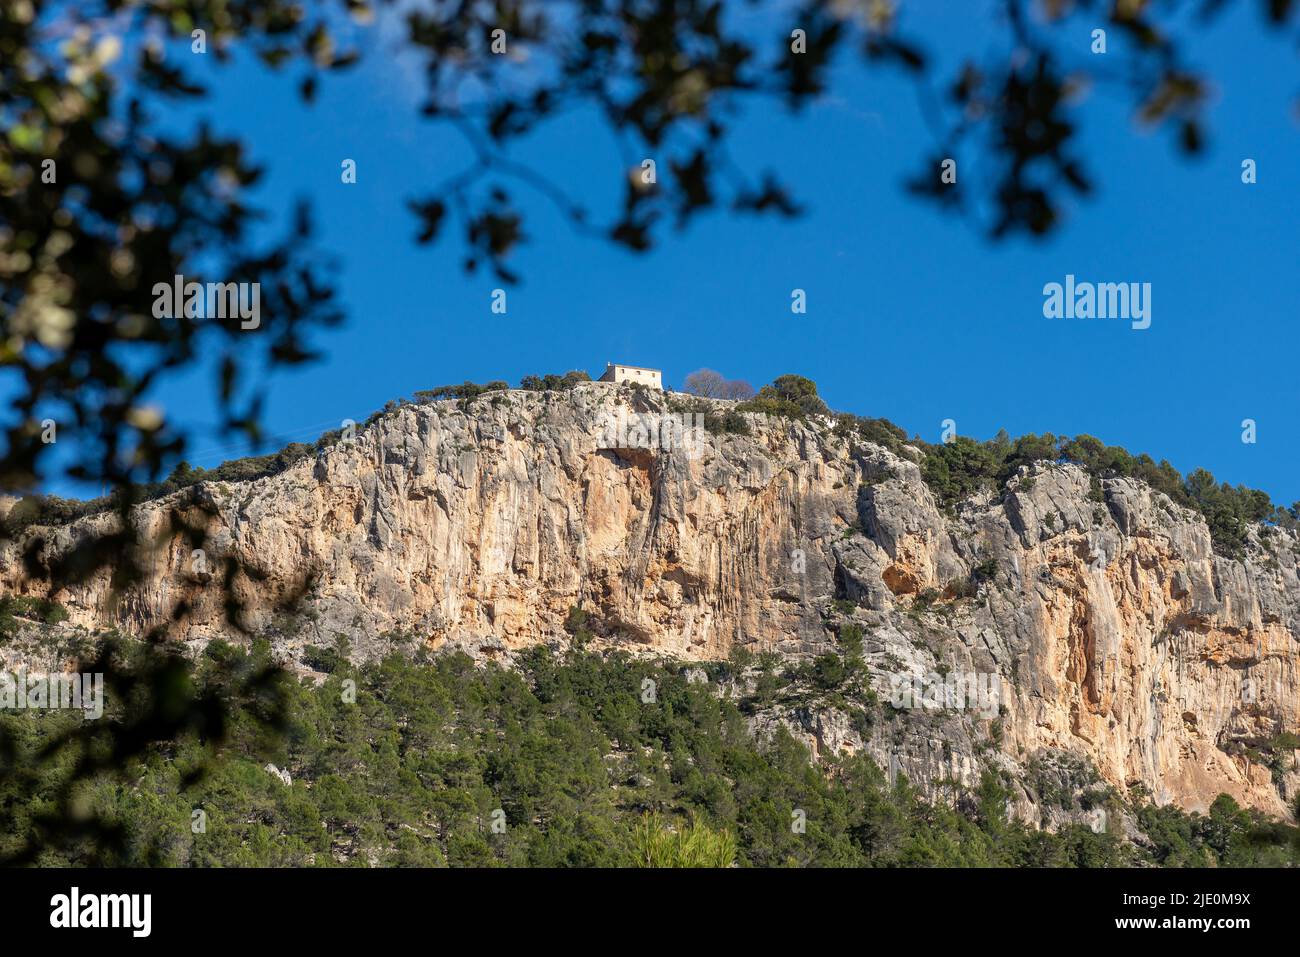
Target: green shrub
{"type": "Point", "coordinates": [466, 390]}
{"type": "Point", "coordinates": [828, 671]}
{"type": "Point", "coordinates": [554, 383]}
{"type": "Point", "coordinates": [792, 396]}
{"type": "Point", "coordinates": [13, 607]}
{"type": "Point", "coordinates": [576, 625]}
{"type": "Point", "coordinates": [657, 844]}
{"type": "Point", "coordinates": [326, 660]}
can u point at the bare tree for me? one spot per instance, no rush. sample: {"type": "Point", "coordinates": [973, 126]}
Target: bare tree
{"type": "Point", "coordinates": [707, 383]}
{"type": "Point", "coordinates": [738, 389]}
{"type": "Point", "coordinates": [714, 385]}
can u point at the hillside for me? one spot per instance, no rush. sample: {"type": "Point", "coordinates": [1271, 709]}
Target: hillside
{"type": "Point", "coordinates": [1106, 644]}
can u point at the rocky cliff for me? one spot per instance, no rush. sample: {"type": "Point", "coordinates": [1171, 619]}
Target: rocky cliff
{"type": "Point", "coordinates": [1066, 638]}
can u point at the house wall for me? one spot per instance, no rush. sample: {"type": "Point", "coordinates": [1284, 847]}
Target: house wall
{"type": "Point", "coordinates": [651, 378]}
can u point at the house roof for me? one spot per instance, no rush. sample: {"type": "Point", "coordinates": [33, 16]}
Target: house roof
{"type": "Point", "coordinates": [624, 365]}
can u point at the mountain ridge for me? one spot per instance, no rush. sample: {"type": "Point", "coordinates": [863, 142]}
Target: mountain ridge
{"type": "Point", "coordinates": [1115, 632]}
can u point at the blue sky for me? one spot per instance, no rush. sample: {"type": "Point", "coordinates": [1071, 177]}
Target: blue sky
{"type": "Point", "coordinates": [912, 315]}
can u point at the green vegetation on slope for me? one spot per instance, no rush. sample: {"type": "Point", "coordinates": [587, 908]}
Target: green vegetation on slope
{"type": "Point", "coordinates": [564, 762]}
{"type": "Point", "coordinates": [13, 607]}
{"type": "Point", "coordinates": [957, 469]}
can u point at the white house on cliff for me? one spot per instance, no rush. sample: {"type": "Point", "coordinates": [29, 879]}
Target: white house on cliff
{"type": "Point", "coordinates": [651, 378]}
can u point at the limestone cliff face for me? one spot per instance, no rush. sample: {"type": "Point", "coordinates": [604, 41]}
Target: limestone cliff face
{"type": "Point", "coordinates": [1104, 632]}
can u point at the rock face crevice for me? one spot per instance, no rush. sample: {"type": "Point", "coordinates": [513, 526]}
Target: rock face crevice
{"type": "Point", "coordinates": [1116, 635]}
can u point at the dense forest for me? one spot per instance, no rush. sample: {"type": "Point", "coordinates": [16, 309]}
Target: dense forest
{"type": "Point", "coordinates": [563, 760]}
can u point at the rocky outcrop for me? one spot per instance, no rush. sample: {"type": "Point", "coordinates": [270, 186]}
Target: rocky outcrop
{"type": "Point", "coordinates": [1092, 631]}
